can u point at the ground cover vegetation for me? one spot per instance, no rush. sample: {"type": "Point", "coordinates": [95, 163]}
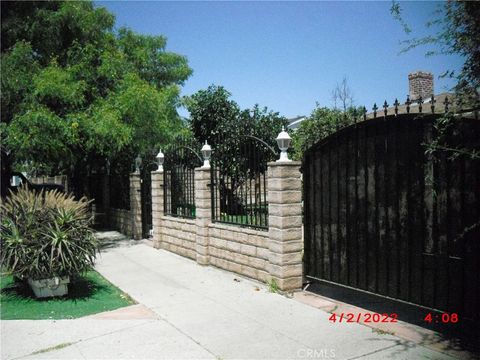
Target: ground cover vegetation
{"type": "Point", "coordinates": [47, 235]}
{"type": "Point", "coordinates": [89, 294]}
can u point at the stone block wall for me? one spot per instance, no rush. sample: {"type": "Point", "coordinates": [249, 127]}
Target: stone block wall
{"type": "Point", "coordinates": [120, 220]}
{"type": "Point", "coordinates": [178, 236]}
{"type": "Point", "coordinates": [273, 255]}
{"type": "Point", "coordinates": [241, 250]}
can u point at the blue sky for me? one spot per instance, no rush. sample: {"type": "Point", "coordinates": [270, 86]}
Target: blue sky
{"type": "Point", "coordinates": [289, 55]}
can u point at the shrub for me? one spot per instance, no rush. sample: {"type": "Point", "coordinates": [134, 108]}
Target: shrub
{"type": "Point", "coordinates": [46, 234]}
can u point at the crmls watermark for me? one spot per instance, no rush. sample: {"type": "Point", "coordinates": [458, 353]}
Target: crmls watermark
{"type": "Point", "coordinates": [316, 353]}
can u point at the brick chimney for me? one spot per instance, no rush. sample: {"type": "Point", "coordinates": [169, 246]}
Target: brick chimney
{"type": "Point", "coordinates": [420, 83]}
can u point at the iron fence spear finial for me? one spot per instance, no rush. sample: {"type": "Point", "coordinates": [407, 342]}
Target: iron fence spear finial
{"type": "Point", "coordinates": [446, 102]}
{"type": "Point", "coordinates": [396, 103]}
{"type": "Point", "coordinates": [408, 102]}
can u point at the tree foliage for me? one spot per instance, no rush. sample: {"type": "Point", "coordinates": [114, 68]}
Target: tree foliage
{"type": "Point", "coordinates": [213, 115]}
{"type": "Point", "coordinates": [215, 118]}
{"type": "Point", "coordinates": [455, 30]}
{"type": "Point", "coordinates": [243, 142]}
{"type": "Point", "coordinates": [76, 94]}
{"type": "Point", "coordinates": [321, 123]}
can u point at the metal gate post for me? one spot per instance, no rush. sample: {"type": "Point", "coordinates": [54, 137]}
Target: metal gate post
{"type": "Point", "coordinates": [136, 205]}
{"type": "Point", "coordinates": [285, 224]}
{"type": "Point", "coordinates": [157, 207]}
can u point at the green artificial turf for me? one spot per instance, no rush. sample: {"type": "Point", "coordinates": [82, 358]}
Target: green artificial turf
{"type": "Point", "coordinates": [88, 294]}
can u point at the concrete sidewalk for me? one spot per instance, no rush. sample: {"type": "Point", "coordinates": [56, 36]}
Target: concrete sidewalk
{"type": "Point", "coordinates": [199, 312]}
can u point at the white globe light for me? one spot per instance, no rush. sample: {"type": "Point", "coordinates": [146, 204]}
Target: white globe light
{"type": "Point", "coordinates": [160, 159]}
{"type": "Point", "coordinates": [283, 142]}
{"type": "Point", "coordinates": [207, 153]}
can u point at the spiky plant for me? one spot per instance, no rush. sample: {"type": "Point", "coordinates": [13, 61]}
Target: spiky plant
{"type": "Point", "coordinates": [46, 234]}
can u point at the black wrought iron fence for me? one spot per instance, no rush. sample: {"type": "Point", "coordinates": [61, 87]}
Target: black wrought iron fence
{"type": "Point", "coordinates": [179, 178]}
{"type": "Point", "coordinates": [239, 184]}
{"type": "Point", "coordinates": [118, 171]}
{"type": "Point", "coordinates": [119, 193]}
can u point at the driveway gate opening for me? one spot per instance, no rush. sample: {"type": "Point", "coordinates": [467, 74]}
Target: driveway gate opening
{"type": "Point", "coordinates": [383, 217]}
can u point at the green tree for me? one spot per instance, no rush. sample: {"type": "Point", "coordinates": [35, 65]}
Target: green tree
{"type": "Point", "coordinates": [216, 118]}
{"type": "Point", "coordinates": [212, 114]}
{"type": "Point", "coordinates": [263, 124]}
{"type": "Point", "coordinates": [77, 95]}
{"type": "Point", "coordinates": [321, 123]}
{"type": "Point", "coordinates": [240, 139]}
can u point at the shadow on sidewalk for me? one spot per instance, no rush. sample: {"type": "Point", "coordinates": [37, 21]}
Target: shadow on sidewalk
{"type": "Point", "coordinates": [111, 239]}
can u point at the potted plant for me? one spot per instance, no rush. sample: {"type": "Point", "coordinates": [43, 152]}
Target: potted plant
{"type": "Point", "coordinates": [46, 238]}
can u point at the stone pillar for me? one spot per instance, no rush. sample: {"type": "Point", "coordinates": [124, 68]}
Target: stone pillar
{"type": "Point", "coordinates": [157, 207]}
{"type": "Point", "coordinates": [285, 224]}
{"type": "Point", "coordinates": [136, 205]}
{"type": "Point", "coordinates": [203, 213]}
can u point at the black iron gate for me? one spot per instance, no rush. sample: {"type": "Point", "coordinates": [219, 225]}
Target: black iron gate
{"type": "Point", "coordinates": [383, 217]}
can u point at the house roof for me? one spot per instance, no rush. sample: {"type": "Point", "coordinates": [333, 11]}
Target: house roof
{"type": "Point", "coordinates": [294, 123]}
